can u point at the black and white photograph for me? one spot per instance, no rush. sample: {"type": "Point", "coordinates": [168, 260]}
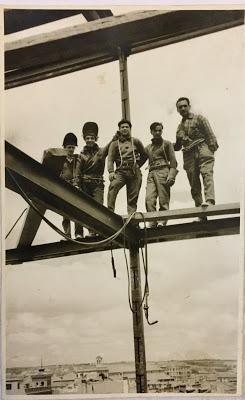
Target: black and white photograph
{"type": "Point", "coordinates": [122, 211]}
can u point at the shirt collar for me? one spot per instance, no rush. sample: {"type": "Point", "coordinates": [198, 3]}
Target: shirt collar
{"type": "Point", "coordinates": [190, 116]}
{"type": "Point", "coordinates": [92, 149]}
{"type": "Point", "coordinates": [157, 141]}
{"type": "Point", "coordinates": [70, 158]}
{"type": "Point", "coordinates": [123, 138]}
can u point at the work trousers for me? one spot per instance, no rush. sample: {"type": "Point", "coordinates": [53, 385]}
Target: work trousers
{"type": "Point", "coordinates": [156, 188]}
{"type": "Point", "coordinates": [94, 189]}
{"type": "Point", "coordinates": [200, 161]}
{"type": "Point", "coordinates": [66, 223]}
{"type": "Point", "coordinates": [133, 181]}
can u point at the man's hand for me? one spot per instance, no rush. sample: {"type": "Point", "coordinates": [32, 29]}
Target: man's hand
{"type": "Point", "coordinates": [112, 176]}
{"type": "Point", "coordinates": [170, 182]}
{"type": "Point", "coordinates": [213, 147]}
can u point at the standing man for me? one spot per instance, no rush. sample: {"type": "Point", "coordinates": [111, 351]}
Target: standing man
{"type": "Point", "coordinates": [63, 163]}
{"type": "Point", "coordinates": [129, 155]}
{"type": "Point", "coordinates": [162, 171]}
{"type": "Point", "coordinates": [91, 165]}
{"type": "Point", "coordinates": [198, 143]}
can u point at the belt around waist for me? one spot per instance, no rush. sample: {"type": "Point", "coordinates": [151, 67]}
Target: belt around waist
{"type": "Point", "coordinates": [155, 167]}
{"type": "Point", "coordinates": [92, 178]}
{"type": "Point", "coordinates": [127, 165]}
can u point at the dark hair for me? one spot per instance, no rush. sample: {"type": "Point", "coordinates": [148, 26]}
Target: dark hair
{"type": "Point", "coordinates": [154, 125]}
{"type": "Point", "coordinates": [124, 121]}
{"type": "Point", "coordinates": [182, 99]}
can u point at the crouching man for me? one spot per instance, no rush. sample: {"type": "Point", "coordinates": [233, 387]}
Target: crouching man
{"type": "Point", "coordinates": [162, 171]}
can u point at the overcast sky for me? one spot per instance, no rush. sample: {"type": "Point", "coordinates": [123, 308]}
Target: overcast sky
{"type": "Point", "coordinates": [72, 309]}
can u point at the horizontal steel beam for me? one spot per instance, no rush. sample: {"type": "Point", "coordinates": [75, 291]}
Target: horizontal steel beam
{"type": "Point", "coordinates": [53, 250]}
{"type": "Point", "coordinates": [86, 45]}
{"type": "Point", "coordinates": [193, 230]}
{"type": "Point", "coordinates": [212, 210]}
{"type": "Point", "coordinates": [59, 196]}
{"type": "Point", "coordinates": [226, 226]}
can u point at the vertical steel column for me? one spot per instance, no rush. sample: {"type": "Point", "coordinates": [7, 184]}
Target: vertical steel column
{"type": "Point", "coordinates": [138, 325]}
{"type": "Point", "coordinates": [124, 83]}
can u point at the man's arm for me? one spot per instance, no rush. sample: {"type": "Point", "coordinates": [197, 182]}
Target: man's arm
{"type": "Point", "coordinates": [111, 160]}
{"type": "Point", "coordinates": [178, 143]}
{"type": "Point", "coordinates": [106, 148]}
{"type": "Point", "coordinates": [78, 172]}
{"type": "Point", "coordinates": [142, 152]}
{"type": "Point", "coordinates": [172, 164]}
{"type": "Point", "coordinates": [171, 156]}
{"type": "Point", "coordinates": [208, 132]}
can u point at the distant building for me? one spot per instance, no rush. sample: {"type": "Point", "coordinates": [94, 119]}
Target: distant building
{"type": "Point", "coordinates": [14, 385]}
{"type": "Point", "coordinates": [177, 370]}
{"type": "Point", "coordinates": [94, 372]}
{"type": "Point", "coordinates": [63, 381]}
{"type": "Point", "coordinates": [39, 383]}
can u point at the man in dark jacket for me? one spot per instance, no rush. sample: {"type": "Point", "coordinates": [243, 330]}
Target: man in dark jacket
{"type": "Point", "coordinates": [129, 155]}
{"type": "Point", "coordinates": [63, 163]}
{"type": "Point", "coordinates": [162, 171]}
{"type": "Point", "coordinates": [198, 143]}
{"type": "Point", "coordinates": [91, 165]}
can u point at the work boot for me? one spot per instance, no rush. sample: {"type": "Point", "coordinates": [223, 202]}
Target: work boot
{"type": "Point", "coordinates": [162, 224]}
{"type": "Point", "coordinates": [91, 234]}
{"type": "Point", "coordinates": [152, 224]}
{"type": "Point", "coordinates": [201, 219]}
{"type": "Point", "coordinates": [207, 203]}
{"type": "Point", "coordinates": [78, 236]}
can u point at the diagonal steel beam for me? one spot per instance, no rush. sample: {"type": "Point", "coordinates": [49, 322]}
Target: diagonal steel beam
{"type": "Point", "coordinates": [59, 196]}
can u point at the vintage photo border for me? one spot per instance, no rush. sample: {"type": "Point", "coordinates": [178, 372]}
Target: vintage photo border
{"type": "Point", "coordinates": [241, 333]}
